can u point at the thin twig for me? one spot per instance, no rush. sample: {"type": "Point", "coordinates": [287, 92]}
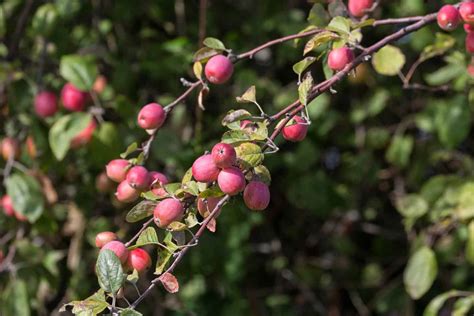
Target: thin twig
{"type": "Point", "coordinates": [145, 225]}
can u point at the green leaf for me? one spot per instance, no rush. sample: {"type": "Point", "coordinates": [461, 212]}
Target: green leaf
{"type": "Point", "coordinates": [301, 66]}
{"type": "Point", "coordinates": [304, 88]}
{"type": "Point", "coordinates": [147, 237]}
{"type": "Point", "coordinates": [79, 70]}
{"type": "Point", "coordinates": [437, 303]}
{"type": "Point", "coordinates": [177, 226]}
{"type": "Point", "coordinates": [188, 176]}
{"type": "Point", "coordinates": [130, 149]}
{"type": "Point", "coordinates": [203, 54]}
{"type": "Point", "coordinates": [235, 136]}
{"type": "Point", "coordinates": [249, 155]}
{"type": "Point", "coordinates": [64, 130]}
{"type": "Point", "coordinates": [420, 272]}
{"type": "Point", "coordinates": [388, 61]}
{"type": "Point", "coordinates": [340, 25]}
{"type": "Point", "coordinates": [318, 15]}
{"type": "Point", "coordinates": [465, 201]}
{"type": "Point", "coordinates": [140, 211]}
{"type": "Point", "coordinates": [26, 195]}
{"type": "Point", "coordinates": [372, 107]}
{"type": "Point", "coordinates": [214, 43]}
{"type": "Point", "coordinates": [164, 255]}
{"type": "Point", "coordinates": [316, 41]}
{"type": "Point", "coordinates": [412, 206]}
{"type": "Point", "coordinates": [109, 271]}
{"type": "Point", "coordinates": [463, 306]}
{"type": "Point", "coordinates": [443, 42]}
{"type": "Point", "coordinates": [235, 116]}
{"type": "Point", "coordinates": [172, 188]}
{"type": "Point", "coordinates": [470, 243]}
{"type": "Point", "coordinates": [261, 173]}
{"type": "Point", "coordinates": [248, 96]}
{"type": "Point", "coordinates": [44, 19]}
{"type": "Point", "coordinates": [452, 121]}
{"type": "Point", "coordinates": [399, 151]}
{"type": "Point", "coordinates": [197, 68]}
{"type": "Point", "coordinates": [19, 300]}
{"type": "Point", "coordinates": [130, 312]}
{"type": "Point", "coordinates": [191, 187]}
{"type": "Point", "coordinates": [93, 305]}
{"type": "Point", "coordinates": [214, 191]}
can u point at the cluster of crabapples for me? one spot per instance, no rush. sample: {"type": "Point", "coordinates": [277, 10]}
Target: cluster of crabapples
{"type": "Point", "coordinates": [449, 17]}
{"type": "Point", "coordinates": [137, 259]}
{"type": "Point", "coordinates": [74, 100]}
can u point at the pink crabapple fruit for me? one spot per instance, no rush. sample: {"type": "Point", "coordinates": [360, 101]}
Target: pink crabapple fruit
{"type": "Point", "coordinates": [73, 99]}
{"type": "Point", "coordinates": [257, 195]}
{"type": "Point", "coordinates": [295, 131]}
{"type": "Point", "coordinates": [358, 8]}
{"type": "Point", "coordinates": [103, 238]}
{"type": "Point", "coordinates": [468, 28]}
{"type": "Point", "coordinates": [218, 69]}
{"type": "Point", "coordinates": [207, 205]}
{"type": "Point", "coordinates": [7, 205]}
{"type": "Point", "coordinates": [85, 136]}
{"type": "Point", "coordinates": [125, 193]}
{"type": "Point", "coordinates": [117, 169]}
{"type": "Point", "coordinates": [46, 104]}
{"type": "Point", "coordinates": [99, 84]}
{"type": "Point", "coordinates": [470, 43]}
{"type": "Point", "coordinates": [224, 155]}
{"type": "Point", "coordinates": [138, 178]}
{"type": "Point", "coordinates": [118, 248]}
{"type": "Point", "coordinates": [204, 169]}
{"type": "Point", "coordinates": [151, 116]}
{"type": "Point", "coordinates": [338, 58]}
{"type": "Point", "coordinates": [10, 147]}
{"type": "Point", "coordinates": [158, 180]}
{"type": "Point", "coordinates": [466, 10]}
{"type": "Point", "coordinates": [103, 184]}
{"type": "Point", "coordinates": [231, 181]}
{"type": "Point", "coordinates": [168, 211]}
{"type": "Point", "coordinates": [139, 260]}
{"type": "Point", "coordinates": [448, 18]}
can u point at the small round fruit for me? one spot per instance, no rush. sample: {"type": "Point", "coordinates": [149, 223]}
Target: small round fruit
{"type": "Point", "coordinates": [295, 130]}
{"type": "Point", "coordinates": [231, 181]}
{"type": "Point", "coordinates": [466, 10]}
{"type": "Point", "coordinates": [31, 147]}
{"type": "Point", "coordinates": [103, 184]}
{"type": "Point", "coordinates": [125, 193]}
{"type": "Point", "coordinates": [103, 238]}
{"type": "Point", "coordinates": [10, 148]}
{"type": "Point", "coordinates": [117, 169]}
{"type": "Point", "coordinates": [470, 43]}
{"type": "Point", "coordinates": [257, 195]}
{"type": "Point", "coordinates": [224, 155]}
{"type": "Point", "coordinates": [358, 8]}
{"type": "Point", "coordinates": [158, 180]}
{"type": "Point", "coordinates": [468, 28]}
{"type": "Point", "coordinates": [151, 116]}
{"type": "Point", "coordinates": [84, 136]}
{"type": "Point", "coordinates": [138, 178]}
{"type": "Point", "coordinates": [207, 205]}
{"type": "Point", "coordinates": [7, 205]}
{"type": "Point", "coordinates": [139, 260]}
{"type": "Point", "coordinates": [168, 211]}
{"type": "Point", "coordinates": [118, 248]}
{"type": "Point", "coordinates": [448, 18]}
{"type": "Point", "coordinates": [204, 169]}
{"type": "Point", "coordinates": [72, 98]}
{"type": "Point", "coordinates": [218, 69]}
{"type": "Point", "coordinates": [339, 57]}
{"type": "Point", "coordinates": [46, 104]}
{"type": "Point", "coordinates": [99, 84]}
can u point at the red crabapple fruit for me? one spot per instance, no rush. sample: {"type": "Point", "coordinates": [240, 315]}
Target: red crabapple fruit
{"type": "Point", "coordinates": [339, 57]}
{"type": "Point", "coordinates": [10, 147]}
{"type": "Point", "coordinates": [168, 211]}
{"type": "Point", "coordinates": [151, 116]}
{"type": "Point", "coordinates": [448, 18]}
{"type": "Point", "coordinates": [466, 10]}
{"type": "Point", "coordinates": [103, 238]}
{"type": "Point", "coordinates": [224, 155]}
{"type": "Point", "coordinates": [139, 260]}
{"type": "Point", "coordinates": [204, 169]}
{"type": "Point", "coordinates": [138, 178]}
{"type": "Point", "coordinates": [118, 248]}
{"type": "Point", "coordinates": [73, 99]}
{"type": "Point", "coordinates": [231, 181]}
{"type": "Point", "coordinates": [125, 193]}
{"type": "Point", "coordinates": [257, 195]}
{"type": "Point", "coordinates": [358, 8]}
{"type": "Point", "coordinates": [117, 169]}
{"type": "Point", "coordinates": [46, 104]}
{"type": "Point", "coordinates": [218, 69]}
{"type": "Point", "coordinates": [296, 131]}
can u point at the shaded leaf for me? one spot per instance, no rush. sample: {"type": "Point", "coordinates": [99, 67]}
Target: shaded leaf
{"type": "Point", "coordinates": [388, 61]}
{"type": "Point", "coordinates": [26, 194]}
{"type": "Point", "coordinates": [109, 271]}
{"type": "Point", "coordinates": [140, 211]}
{"type": "Point", "coordinates": [420, 272]}
{"type": "Point", "coordinates": [79, 70]}
{"type": "Point", "coordinates": [214, 43]}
